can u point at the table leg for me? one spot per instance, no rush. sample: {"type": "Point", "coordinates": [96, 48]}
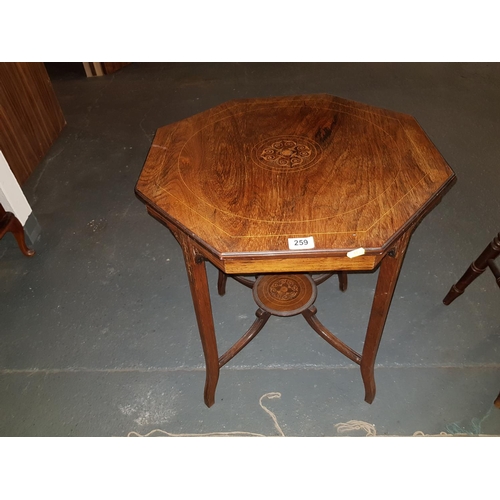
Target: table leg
{"type": "Point", "coordinates": [221, 283]}
{"type": "Point", "coordinates": [342, 281]}
{"type": "Point", "coordinates": [386, 283]}
{"type": "Point", "coordinates": [198, 282]}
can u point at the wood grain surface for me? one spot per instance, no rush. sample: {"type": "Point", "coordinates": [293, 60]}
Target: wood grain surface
{"type": "Point", "coordinates": [245, 176]}
{"type": "Point", "coordinates": [30, 116]}
{"type": "Point", "coordinates": [235, 183]}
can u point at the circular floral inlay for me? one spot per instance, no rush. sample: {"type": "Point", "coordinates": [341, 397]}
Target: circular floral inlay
{"type": "Point", "coordinates": [286, 153]}
{"type": "Point", "coordinates": [284, 289]}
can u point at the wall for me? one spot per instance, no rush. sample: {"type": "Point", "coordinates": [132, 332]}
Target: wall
{"type": "Point", "coordinates": [30, 116]}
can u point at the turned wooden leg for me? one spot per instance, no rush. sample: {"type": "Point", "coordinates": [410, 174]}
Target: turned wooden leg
{"type": "Point", "coordinates": [491, 252]}
{"type": "Point", "coordinates": [9, 223]}
{"type": "Point", "coordinates": [198, 282]}
{"type": "Point", "coordinates": [495, 270]}
{"type": "Point", "coordinates": [497, 401]}
{"type": "Point", "coordinates": [386, 283]}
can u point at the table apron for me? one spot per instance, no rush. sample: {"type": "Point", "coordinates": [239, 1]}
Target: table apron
{"type": "Point", "coordinates": [274, 264]}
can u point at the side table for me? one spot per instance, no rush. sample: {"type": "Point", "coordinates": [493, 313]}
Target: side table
{"type": "Point", "coordinates": [280, 194]}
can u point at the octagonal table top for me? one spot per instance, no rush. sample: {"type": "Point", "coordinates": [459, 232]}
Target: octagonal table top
{"type": "Point", "coordinates": [244, 177]}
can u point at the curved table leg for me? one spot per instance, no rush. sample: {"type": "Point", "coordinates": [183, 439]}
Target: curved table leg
{"type": "Point", "coordinates": [497, 401]}
{"type": "Point", "coordinates": [386, 283]}
{"type": "Point", "coordinates": [10, 223]}
{"type": "Point", "coordinates": [198, 282]}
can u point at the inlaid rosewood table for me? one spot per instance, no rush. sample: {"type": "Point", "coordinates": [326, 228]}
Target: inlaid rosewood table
{"type": "Point", "coordinates": [282, 193]}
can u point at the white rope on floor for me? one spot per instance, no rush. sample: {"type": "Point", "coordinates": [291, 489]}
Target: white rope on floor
{"type": "Point", "coordinates": [342, 427]}
{"type": "Point", "coordinates": [356, 425]}
{"type": "Point", "coordinates": [269, 395]}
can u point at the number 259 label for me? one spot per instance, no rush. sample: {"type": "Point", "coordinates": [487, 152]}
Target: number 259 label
{"type": "Point", "coordinates": [300, 243]}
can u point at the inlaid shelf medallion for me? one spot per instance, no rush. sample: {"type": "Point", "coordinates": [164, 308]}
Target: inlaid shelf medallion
{"type": "Point", "coordinates": [236, 183]}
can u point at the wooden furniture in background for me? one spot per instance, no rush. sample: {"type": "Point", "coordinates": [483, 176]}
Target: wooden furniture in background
{"type": "Point", "coordinates": [9, 223]}
{"type": "Point", "coordinates": [484, 261]}
{"type": "Point", "coordinates": [277, 193]}
{"type": "Point", "coordinates": [103, 68]}
{"type": "Point", "coordinates": [30, 116]}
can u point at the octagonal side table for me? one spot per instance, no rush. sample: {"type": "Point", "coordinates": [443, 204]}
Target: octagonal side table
{"type": "Point", "coordinates": [282, 193]}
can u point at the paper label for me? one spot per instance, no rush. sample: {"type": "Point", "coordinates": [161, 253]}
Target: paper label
{"type": "Point", "coordinates": [300, 243]}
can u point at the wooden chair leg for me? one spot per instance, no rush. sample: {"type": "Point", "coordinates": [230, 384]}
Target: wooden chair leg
{"type": "Point", "coordinates": [491, 252]}
{"type": "Point", "coordinates": [495, 270]}
{"type": "Point", "coordinates": [485, 260]}
{"type": "Point", "coordinates": [10, 223]}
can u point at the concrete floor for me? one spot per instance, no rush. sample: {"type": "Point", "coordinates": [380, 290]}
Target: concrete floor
{"type": "Point", "coordinates": [98, 335]}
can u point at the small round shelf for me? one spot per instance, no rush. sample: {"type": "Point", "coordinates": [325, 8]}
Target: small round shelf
{"type": "Point", "coordinates": [284, 294]}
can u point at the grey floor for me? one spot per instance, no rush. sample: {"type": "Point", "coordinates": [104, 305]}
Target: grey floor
{"type": "Point", "coordinates": [97, 331]}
